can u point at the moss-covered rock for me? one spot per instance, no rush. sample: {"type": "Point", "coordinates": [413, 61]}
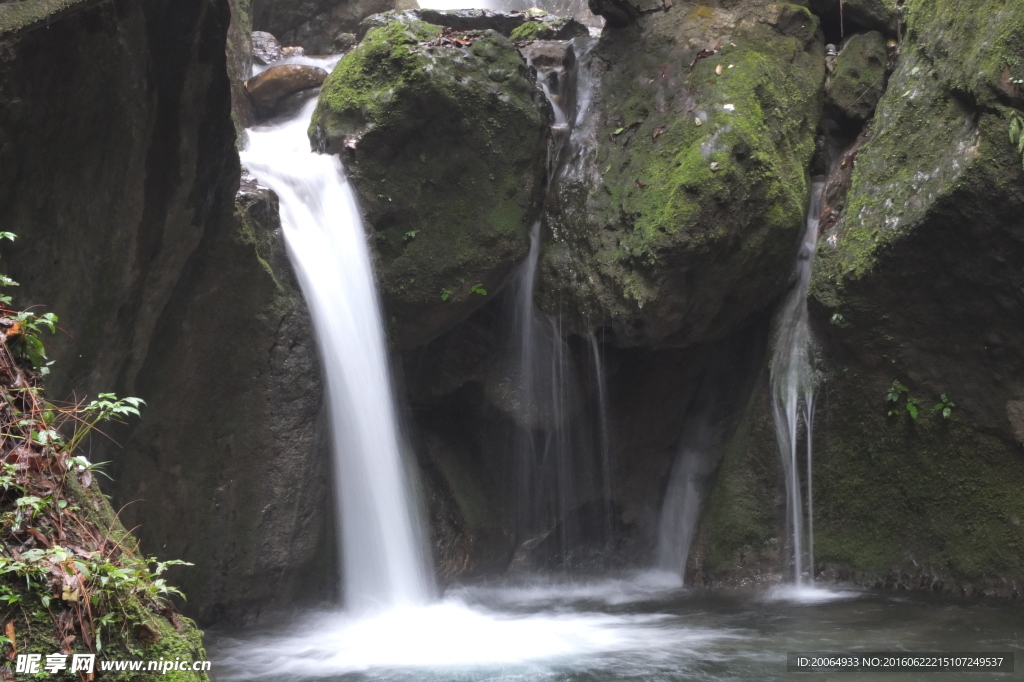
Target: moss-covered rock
{"type": "Point", "coordinates": [857, 81]}
{"type": "Point", "coordinates": [919, 282]}
{"type": "Point", "coordinates": [446, 147]}
{"type": "Point", "coordinates": [679, 215]}
{"type": "Point", "coordinates": [549, 27]}
{"type": "Point", "coordinates": [517, 25]}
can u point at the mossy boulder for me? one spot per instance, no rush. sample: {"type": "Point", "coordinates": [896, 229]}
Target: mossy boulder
{"type": "Point", "coordinates": [444, 140]}
{"type": "Point", "coordinates": [534, 24]}
{"type": "Point", "coordinates": [918, 282]}
{"type": "Point", "coordinates": [858, 80]}
{"type": "Point", "coordinates": [549, 27]}
{"type": "Point", "coordinates": [678, 216]}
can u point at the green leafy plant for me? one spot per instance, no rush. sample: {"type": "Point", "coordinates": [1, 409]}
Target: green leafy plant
{"type": "Point", "coordinates": [944, 407]}
{"type": "Point", "coordinates": [55, 562]}
{"type": "Point", "coordinates": [1017, 125]}
{"type": "Point", "coordinates": [411, 234]}
{"type": "Point", "coordinates": [446, 294]}
{"type": "Point", "coordinates": [478, 289]}
{"type": "Point", "coordinates": [107, 406]}
{"type": "Point", "coordinates": [26, 330]}
{"type": "Point", "coordinates": [902, 401]}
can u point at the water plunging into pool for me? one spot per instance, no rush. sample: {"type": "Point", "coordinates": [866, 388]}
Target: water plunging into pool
{"type": "Point", "coordinates": [383, 552]}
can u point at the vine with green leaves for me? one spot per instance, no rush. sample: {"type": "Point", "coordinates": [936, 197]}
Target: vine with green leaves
{"type": "Point", "coordinates": [56, 561]}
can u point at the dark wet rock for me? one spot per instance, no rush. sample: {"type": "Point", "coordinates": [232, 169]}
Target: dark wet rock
{"type": "Point", "coordinates": [265, 48]}
{"type": "Point", "coordinates": [616, 13]}
{"type": "Point", "coordinates": [269, 88]}
{"type": "Point", "coordinates": [446, 147]}
{"type": "Point", "coordinates": [167, 293]}
{"type": "Point", "coordinates": [858, 77]}
{"type": "Point", "coordinates": [549, 54]}
{"type": "Point", "coordinates": [878, 15]}
{"type": "Point", "coordinates": [239, 52]}
{"type": "Point", "coordinates": [918, 281]}
{"type": "Point", "coordinates": [519, 25]}
{"type": "Point", "coordinates": [314, 24]}
{"type": "Point", "coordinates": [343, 42]}
{"type": "Point", "coordinates": [685, 196]}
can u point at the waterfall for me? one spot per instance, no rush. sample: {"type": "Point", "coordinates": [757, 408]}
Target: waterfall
{"type": "Point", "coordinates": [680, 511]}
{"type": "Point", "coordinates": [549, 436]}
{"type": "Point", "coordinates": [558, 466]}
{"type": "Point", "coordinates": [792, 382]}
{"type": "Point", "coordinates": [383, 553]}
{"type": "Point", "coordinates": [604, 436]}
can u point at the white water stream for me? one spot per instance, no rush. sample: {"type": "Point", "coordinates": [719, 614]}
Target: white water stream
{"type": "Point", "coordinates": [792, 380]}
{"type": "Point", "coordinates": [382, 549]}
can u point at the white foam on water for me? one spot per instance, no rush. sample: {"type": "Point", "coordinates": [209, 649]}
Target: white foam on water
{"type": "Point", "coordinates": [450, 635]}
{"type": "Point", "coordinates": [807, 594]}
{"type": "Point", "coordinates": [631, 588]}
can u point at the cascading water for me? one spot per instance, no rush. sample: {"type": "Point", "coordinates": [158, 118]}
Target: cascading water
{"type": "Point", "coordinates": [680, 510]}
{"type": "Point", "coordinates": [555, 441]}
{"type": "Point", "coordinates": [792, 381]}
{"type": "Point", "coordinates": [382, 549]}
{"type": "Point", "coordinates": [604, 435]}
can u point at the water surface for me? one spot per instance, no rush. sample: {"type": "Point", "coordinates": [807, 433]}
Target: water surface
{"type": "Point", "coordinates": [638, 627]}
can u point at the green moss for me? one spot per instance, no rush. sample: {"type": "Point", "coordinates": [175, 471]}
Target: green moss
{"type": "Point", "coordinates": [21, 16]}
{"type": "Point", "coordinates": [891, 492]}
{"type": "Point", "coordinates": [987, 36]}
{"type": "Point", "coordinates": [702, 170]}
{"type": "Point", "coordinates": [738, 524]}
{"type": "Point", "coordinates": [858, 81]}
{"type": "Point", "coordinates": [548, 29]}
{"type": "Point", "coordinates": [926, 144]}
{"type": "Point", "coordinates": [36, 633]}
{"type": "Point", "coordinates": [448, 161]}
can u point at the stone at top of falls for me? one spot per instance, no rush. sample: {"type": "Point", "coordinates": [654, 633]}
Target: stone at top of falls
{"type": "Point", "coordinates": [858, 78]}
{"type": "Point", "coordinates": [444, 141]}
{"type": "Point", "coordinates": [269, 88]}
{"type": "Point", "coordinates": [531, 25]}
{"type": "Point", "coordinates": [679, 222]}
{"type": "Point", "coordinates": [549, 54]}
{"type": "Point", "coordinates": [265, 48]}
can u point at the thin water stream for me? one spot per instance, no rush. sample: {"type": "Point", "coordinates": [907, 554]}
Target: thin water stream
{"type": "Point", "coordinates": [792, 380]}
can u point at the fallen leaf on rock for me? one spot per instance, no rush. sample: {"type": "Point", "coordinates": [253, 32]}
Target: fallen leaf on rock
{"type": "Point", "coordinates": [10, 634]}
{"type": "Point", "coordinates": [718, 69]}
{"type": "Point", "coordinates": [658, 131]}
{"type": "Point", "coordinates": [146, 633]}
